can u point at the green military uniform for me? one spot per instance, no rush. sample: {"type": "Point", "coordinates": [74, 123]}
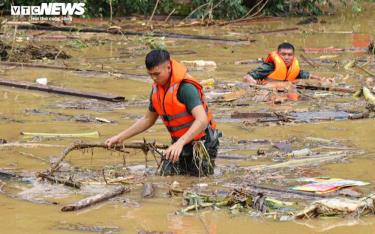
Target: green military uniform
{"type": "Point", "coordinates": [188, 94]}
{"type": "Point", "coordinates": [265, 69]}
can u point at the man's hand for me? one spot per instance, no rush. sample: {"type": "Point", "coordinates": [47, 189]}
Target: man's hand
{"type": "Point", "coordinates": [200, 124]}
{"type": "Point", "coordinates": [249, 79]}
{"type": "Point", "coordinates": [174, 151]}
{"type": "Point", "coordinates": [112, 141]}
{"type": "Point", "coordinates": [140, 126]}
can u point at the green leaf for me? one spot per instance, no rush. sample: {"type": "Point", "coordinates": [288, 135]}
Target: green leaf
{"type": "Point", "coordinates": [356, 9]}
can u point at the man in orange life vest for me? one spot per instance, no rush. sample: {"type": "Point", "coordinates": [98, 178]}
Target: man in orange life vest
{"type": "Point", "coordinates": [280, 66]}
{"type": "Point", "coordinates": [178, 99]}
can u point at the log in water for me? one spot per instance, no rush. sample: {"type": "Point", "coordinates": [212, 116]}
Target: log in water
{"type": "Point", "coordinates": [89, 201]}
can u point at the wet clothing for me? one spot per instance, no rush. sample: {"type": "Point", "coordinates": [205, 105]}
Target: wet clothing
{"type": "Point", "coordinates": [174, 113]}
{"type": "Point", "coordinates": [174, 106]}
{"type": "Point", "coordinates": [187, 94]}
{"type": "Point", "coordinates": [281, 71]}
{"type": "Point", "coordinates": [263, 71]}
{"type": "Point", "coordinates": [186, 165]}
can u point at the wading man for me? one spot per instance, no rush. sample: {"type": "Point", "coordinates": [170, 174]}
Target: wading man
{"type": "Point", "coordinates": [280, 65]}
{"type": "Point", "coordinates": [179, 100]}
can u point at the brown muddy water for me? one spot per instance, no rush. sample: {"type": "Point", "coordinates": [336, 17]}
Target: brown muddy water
{"type": "Point", "coordinates": [19, 215]}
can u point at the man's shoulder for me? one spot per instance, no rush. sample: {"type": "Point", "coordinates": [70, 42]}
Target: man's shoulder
{"type": "Point", "coordinates": [187, 92]}
{"type": "Point", "coordinates": [187, 87]}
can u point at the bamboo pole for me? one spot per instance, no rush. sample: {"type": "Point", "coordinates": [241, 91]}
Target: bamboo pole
{"type": "Point", "coordinates": [62, 135]}
{"type": "Point", "coordinates": [28, 145]}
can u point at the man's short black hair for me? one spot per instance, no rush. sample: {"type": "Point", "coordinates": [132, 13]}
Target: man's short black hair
{"type": "Point", "coordinates": [285, 45]}
{"type": "Point", "coordinates": [156, 57]}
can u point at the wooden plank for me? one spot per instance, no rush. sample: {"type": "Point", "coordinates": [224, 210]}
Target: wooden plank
{"type": "Point", "coordinates": [60, 90]}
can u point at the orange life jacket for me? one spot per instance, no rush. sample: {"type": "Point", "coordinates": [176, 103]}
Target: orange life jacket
{"type": "Point", "coordinates": [281, 72]}
{"type": "Point", "coordinates": [174, 113]}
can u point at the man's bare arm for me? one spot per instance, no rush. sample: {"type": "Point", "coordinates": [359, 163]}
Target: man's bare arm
{"type": "Point", "coordinates": [138, 127]}
{"type": "Point", "coordinates": [199, 125]}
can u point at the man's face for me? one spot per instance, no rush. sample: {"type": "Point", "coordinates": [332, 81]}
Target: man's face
{"type": "Point", "coordinates": [287, 55]}
{"type": "Point", "coordinates": [160, 74]}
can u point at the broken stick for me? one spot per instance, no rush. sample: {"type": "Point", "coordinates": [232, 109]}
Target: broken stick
{"type": "Point", "coordinates": [325, 88]}
{"type": "Point", "coordinates": [89, 201]}
{"type": "Point", "coordinates": [53, 179]}
{"type": "Point", "coordinates": [121, 148]}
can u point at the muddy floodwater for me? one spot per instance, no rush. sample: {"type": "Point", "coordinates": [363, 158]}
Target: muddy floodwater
{"type": "Point", "coordinates": [28, 206]}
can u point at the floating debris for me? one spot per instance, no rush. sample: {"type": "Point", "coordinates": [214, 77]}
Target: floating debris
{"type": "Point", "coordinates": [89, 201]}
{"type": "Point", "coordinates": [60, 135]}
{"type": "Point", "coordinates": [199, 63]}
{"type": "Point", "coordinates": [338, 206]}
{"type": "Point", "coordinates": [31, 52]}
{"type": "Point", "coordinates": [60, 90]}
{"type": "Point", "coordinates": [148, 190]}
{"type": "Point", "coordinates": [323, 185]}
{"type": "Point", "coordinates": [78, 227]}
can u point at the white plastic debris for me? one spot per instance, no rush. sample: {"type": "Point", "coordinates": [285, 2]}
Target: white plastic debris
{"type": "Point", "coordinates": [175, 185]}
{"type": "Point", "coordinates": [200, 63]}
{"type": "Point", "coordinates": [103, 120]}
{"type": "Point", "coordinates": [301, 153]}
{"type": "Point", "coordinates": [42, 81]}
{"type": "Point", "coordinates": [201, 185]}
